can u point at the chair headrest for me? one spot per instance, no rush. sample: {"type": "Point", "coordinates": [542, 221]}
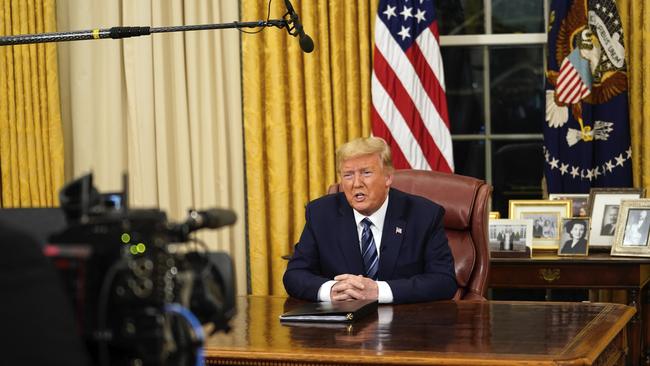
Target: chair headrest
{"type": "Point", "coordinates": [456, 193]}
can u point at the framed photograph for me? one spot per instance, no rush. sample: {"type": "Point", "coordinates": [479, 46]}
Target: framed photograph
{"type": "Point", "coordinates": [510, 238]}
{"type": "Point", "coordinates": [633, 229]}
{"type": "Point", "coordinates": [494, 215]}
{"type": "Point", "coordinates": [573, 240]}
{"type": "Point", "coordinates": [546, 216]}
{"type": "Point", "coordinates": [579, 202]}
{"type": "Point", "coordinates": [604, 211]}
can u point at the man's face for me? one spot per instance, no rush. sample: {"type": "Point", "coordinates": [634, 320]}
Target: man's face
{"type": "Point", "coordinates": [613, 214]}
{"type": "Point", "coordinates": [365, 183]}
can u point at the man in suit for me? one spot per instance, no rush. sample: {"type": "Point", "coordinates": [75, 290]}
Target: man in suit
{"type": "Point", "coordinates": [501, 239]}
{"type": "Point", "coordinates": [371, 241]}
{"type": "Point", "coordinates": [538, 228]}
{"type": "Point", "coordinates": [610, 217]}
{"type": "Point", "coordinates": [636, 231]}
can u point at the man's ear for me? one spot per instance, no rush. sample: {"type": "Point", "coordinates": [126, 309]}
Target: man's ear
{"type": "Point", "coordinates": [389, 179]}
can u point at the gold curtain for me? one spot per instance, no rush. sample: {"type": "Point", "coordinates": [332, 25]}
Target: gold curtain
{"type": "Point", "coordinates": [635, 15]}
{"type": "Point", "coordinates": [297, 109]}
{"type": "Point", "coordinates": [31, 141]}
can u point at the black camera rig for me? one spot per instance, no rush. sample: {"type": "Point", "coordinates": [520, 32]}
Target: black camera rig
{"type": "Point", "coordinates": [141, 292]}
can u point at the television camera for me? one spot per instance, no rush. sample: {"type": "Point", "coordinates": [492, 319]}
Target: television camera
{"type": "Point", "coordinates": [141, 286]}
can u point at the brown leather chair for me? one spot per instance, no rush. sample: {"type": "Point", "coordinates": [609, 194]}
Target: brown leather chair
{"type": "Point", "coordinates": [466, 203]}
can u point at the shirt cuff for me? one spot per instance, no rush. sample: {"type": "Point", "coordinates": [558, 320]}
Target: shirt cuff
{"type": "Point", "coordinates": [385, 295]}
{"type": "Point", "coordinates": [325, 290]}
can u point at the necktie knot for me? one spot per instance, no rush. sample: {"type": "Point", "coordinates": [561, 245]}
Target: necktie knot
{"type": "Point", "coordinates": [366, 223]}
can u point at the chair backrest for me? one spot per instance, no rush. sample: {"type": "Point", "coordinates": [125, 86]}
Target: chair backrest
{"type": "Point", "coordinates": [466, 203]}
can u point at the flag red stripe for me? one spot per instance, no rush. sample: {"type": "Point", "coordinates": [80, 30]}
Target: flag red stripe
{"type": "Point", "coordinates": [563, 67]}
{"type": "Point", "coordinates": [569, 88]}
{"type": "Point", "coordinates": [569, 77]}
{"type": "Point", "coordinates": [379, 129]}
{"type": "Point", "coordinates": [428, 79]}
{"type": "Point", "coordinates": [574, 91]}
{"type": "Point", "coordinates": [407, 109]}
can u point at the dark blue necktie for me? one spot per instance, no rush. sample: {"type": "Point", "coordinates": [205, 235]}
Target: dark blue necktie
{"type": "Point", "coordinates": [369, 250]}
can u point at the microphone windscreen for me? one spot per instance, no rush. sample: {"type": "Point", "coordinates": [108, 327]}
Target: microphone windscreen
{"type": "Point", "coordinates": [218, 217]}
{"type": "Point", "coordinates": [306, 43]}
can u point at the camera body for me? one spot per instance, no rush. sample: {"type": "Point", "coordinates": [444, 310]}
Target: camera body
{"type": "Point", "coordinates": [129, 271]}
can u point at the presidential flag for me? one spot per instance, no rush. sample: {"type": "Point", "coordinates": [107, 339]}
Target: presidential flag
{"type": "Point", "coordinates": [409, 106]}
{"type": "Point", "coordinates": [587, 133]}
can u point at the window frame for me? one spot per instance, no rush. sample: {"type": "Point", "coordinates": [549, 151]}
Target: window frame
{"type": "Point", "coordinates": [485, 41]}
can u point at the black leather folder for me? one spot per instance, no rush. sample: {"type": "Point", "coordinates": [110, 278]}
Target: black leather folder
{"type": "Point", "coordinates": [339, 312]}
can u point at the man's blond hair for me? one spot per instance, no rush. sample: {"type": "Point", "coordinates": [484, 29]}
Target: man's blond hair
{"type": "Point", "coordinates": [365, 146]}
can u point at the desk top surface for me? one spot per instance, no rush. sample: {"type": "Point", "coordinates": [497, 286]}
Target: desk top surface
{"type": "Point", "coordinates": [464, 331]}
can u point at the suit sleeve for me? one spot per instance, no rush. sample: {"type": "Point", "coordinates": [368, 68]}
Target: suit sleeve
{"type": "Point", "coordinates": [303, 276]}
{"type": "Point", "coordinates": [438, 278]}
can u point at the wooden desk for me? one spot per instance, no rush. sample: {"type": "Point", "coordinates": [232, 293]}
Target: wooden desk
{"type": "Point", "coordinates": [446, 332]}
{"type": "Point", "coordinates": [596, 271]}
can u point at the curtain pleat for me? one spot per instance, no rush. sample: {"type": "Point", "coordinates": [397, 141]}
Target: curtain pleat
{"type": "Point", "coordinates": [166, 108]}
{"type": "Point", "coordinates": [31, 139]}
{"type": "Point", "coordinates": [635, 15]}
{"type": "Point", "coordinates": [297, 109]}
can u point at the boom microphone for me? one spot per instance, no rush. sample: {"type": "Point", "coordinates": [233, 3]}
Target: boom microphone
{"type": "Point", "coordinates": [306, 43]}
{"type": "Point", "coordinates": [213, 218]}
{"type": "Point", "coordinates": [210, 219]}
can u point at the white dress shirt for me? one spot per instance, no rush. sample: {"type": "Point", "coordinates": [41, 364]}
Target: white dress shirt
{"type": "Point", "coordinates": [377, 218]}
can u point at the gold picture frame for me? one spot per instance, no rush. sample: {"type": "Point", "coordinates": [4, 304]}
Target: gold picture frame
{"type": "Point", "coordinates": [494, 215]}
{"type": "Point", "coordinates": [546, 216]}
{"type": "Point", "coordinates": [633, 229]}
{"type": "Point", "coordinates": [604, 212]}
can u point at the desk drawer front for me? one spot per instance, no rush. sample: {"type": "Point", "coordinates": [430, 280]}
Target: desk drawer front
{"type": "Point", "coordinates": [560, 275]}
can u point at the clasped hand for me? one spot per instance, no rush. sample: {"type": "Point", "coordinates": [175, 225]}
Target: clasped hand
{"type": "Point", "coordinates": [354, 287]}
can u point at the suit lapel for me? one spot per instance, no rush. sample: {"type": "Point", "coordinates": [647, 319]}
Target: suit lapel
{"type": "Point", "coordinates": [348, 238]}
{"type": "Point", "coordinates": [392, 234]}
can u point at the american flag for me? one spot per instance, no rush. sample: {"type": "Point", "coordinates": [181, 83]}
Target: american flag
{"type": "Point", "coordinates": [409, 108]}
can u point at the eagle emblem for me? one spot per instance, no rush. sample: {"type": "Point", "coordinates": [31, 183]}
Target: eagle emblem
{"type": "Point", "coordinates": [592, 68]}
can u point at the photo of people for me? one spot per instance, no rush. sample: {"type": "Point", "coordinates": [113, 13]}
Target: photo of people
{"type": "Point", "coordinates": [544, 224]}
{"type": "Point", "coordinates": [574, 240]}
{"type": "Point", "coordinates": [636, 228]}
{"type": "Point", "coordinates": [610, 216]}
{"type": "Point", "coordinates": [579, 202]}
{"type": "Point", "coordinates": [506, 239]}
{"type": "Point", "coordinates": [580, 208]}
{"type": "Point", "coordinates": [633, 230]}
{"type": "Point", "coordinates": [510, 236]}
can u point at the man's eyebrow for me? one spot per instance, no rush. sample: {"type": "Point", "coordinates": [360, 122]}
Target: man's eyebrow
{"type": "Point", "coordinates": [360, 169]}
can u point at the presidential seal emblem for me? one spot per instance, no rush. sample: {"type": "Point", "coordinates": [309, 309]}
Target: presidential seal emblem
{"type": "Point", "coordinates": [592, 68]}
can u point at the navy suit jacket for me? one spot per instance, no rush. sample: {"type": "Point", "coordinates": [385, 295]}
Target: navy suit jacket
{"type": "Point", "coordinates": [415, 258]}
